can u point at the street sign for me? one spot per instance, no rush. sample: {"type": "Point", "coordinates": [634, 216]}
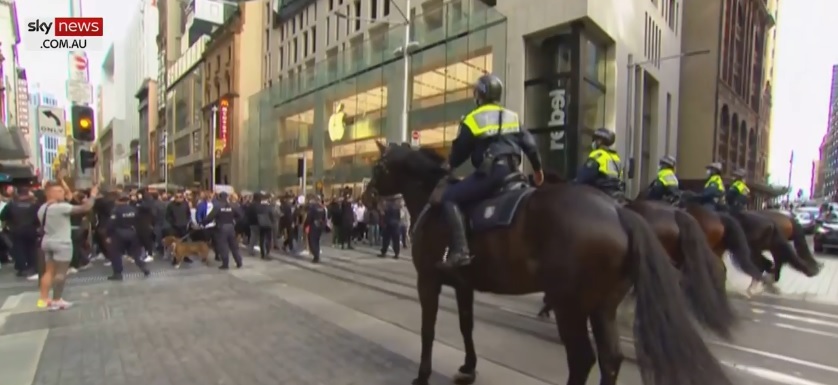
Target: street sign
{"type": "Point", "coordinates": [414, 138]}
{"type": "Point", "coordinates": [78, 66]}
{"type": "Point", "coordinates": [79, 92]}
{"type": "Point", "coordinates": [51, 120]}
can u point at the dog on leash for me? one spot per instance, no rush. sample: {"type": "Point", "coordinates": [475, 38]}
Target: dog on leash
{"type": "Point", "coordinates": [180, 249]}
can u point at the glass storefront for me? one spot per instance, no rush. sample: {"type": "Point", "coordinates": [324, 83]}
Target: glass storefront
{"type": "Point", "coordinates": [183, 115]}
{"type": "Point", "coordinates": [333, 113]}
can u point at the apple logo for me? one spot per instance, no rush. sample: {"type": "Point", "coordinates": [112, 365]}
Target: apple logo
{"type": "Point", "coordinates": [336, 124]}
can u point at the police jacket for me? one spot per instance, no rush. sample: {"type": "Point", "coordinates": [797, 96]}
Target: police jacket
{"type": "Point", "coordinates": [20, 216]}
{"type": "Point", "coordinates": [123, 220]}
{"type": "Point", "coordinates": [737, 194]}
{"type": "Point", "coordinates": [178, 214]}
{"type": "Point", "coordinates": [102, 209]}
{"type": "Point", "coordinates": [603, 169]}
{"type": "Point", "coordinates": [316, 216]}
{"type": "Point", "coordinates": [263, 214]}
{"type": "Point", "coordinates": [665, 186]}
{"type": "Point", "coordinates": [146, 212]}
{"type": "Point", "coordinates": [714, 190]}
{"type": "Point", "coordinates": [223, 213]}
{"type": "Point", "coordinates": [492, 131]}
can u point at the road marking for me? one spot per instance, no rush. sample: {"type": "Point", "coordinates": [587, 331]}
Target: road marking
{"type": "Point", "coordinates": [11, 302]}
{"type": "Point", "coordinates": [771, 375]}
{"type": "Point", "coordinates": [807, 320]}
{"type": "Point", "coordinates": [797, 310]}
{"type": "Point", "coordinates": [806, 330]}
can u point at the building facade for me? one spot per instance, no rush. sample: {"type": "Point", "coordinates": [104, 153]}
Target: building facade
{"type": "Point", "coordinates": [23, 112]}
{"type": "Point", "coordinates": [734, 82]}
{"type": "Point", "coordinates": [827, 186]}
{"type": "Point", "coordinates": [333, 85]}
{"type": "Point", "coordinates": [49, 144]}
{"type": "Point", "coordinates": [10, 38]}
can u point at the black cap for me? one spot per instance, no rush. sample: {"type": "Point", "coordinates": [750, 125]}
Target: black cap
{"type": "Point", "coordinates": [223, 195]}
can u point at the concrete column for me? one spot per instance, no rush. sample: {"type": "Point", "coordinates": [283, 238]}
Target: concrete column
{"type": "Point", "coordinates": [394, 73]}
{"type": "Point", "coordinates": [322, 111]}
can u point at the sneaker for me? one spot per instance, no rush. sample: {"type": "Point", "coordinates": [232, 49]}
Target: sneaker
{"type": "Point", "coordinates": [59, 305]}
{"type": "Point", "coordinates": [148, 259]}
{"type": "Point", "coordinates": [108, 263]}
{"type": "Point", "coordinates": [72, 270]}
{"type": "Point", "coordinates": [43, 303]}
{"type": "Point", "coordinates": [33, 277]}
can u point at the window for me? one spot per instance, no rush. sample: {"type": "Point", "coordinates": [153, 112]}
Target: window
{"type": "Point", "coordinates": [314, 39]}
{"type": "Point", "coordinates": [386, 8]}
{"type": "Point", "coordinates": [668, 134]}
{"type": "Point", "coordinates": [196, 142]}
{"type": "Point", "coordinates": [374, 9]}
{"type": "Point", "coordinates": [183, 147]}
{"type": "Point", "coordinates": [358, 14]}
{"type": "Point", "coordinates": [305, 44]}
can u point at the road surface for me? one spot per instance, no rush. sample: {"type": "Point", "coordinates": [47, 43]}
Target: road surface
{"type": "Point", "coordinates": [352, 319]}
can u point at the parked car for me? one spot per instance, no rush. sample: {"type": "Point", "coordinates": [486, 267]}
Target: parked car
{"type": "Point", "coordinates": [826, 234]}
{"type": "Point", "coordinates": [806, 217]}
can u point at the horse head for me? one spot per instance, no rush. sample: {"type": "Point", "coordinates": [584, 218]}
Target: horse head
{"type": "Point", "coordinates": [401, 169]}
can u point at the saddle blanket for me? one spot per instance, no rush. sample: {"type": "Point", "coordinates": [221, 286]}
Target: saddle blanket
{"type": "Point", "coordinates": [497, 211]}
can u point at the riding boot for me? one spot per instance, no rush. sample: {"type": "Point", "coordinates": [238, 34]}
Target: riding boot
{"type": "Point", "coordinates": [458, 254]}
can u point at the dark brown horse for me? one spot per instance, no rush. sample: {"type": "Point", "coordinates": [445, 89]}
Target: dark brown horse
{"type": "Point", "coordinates": [772, 230]}
{"type": "Point", "coordinates": [572, 243]}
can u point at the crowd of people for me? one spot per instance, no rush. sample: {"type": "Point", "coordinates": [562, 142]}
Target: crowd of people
{"type": "Point", "coordinates": [51, 232]}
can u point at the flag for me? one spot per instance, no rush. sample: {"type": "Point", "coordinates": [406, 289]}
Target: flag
{"type": "Point", "coordinates": [791, 157]}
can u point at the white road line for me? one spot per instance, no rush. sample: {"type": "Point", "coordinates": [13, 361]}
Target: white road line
{"type": "Point", "coordinates": [797, 310]}
{"type": "Point", "coordinates": [778, 377]}
{"type": "Point", "coordinates": [812, 321]}
{"type": "Point", "coordinates": [805, 330]}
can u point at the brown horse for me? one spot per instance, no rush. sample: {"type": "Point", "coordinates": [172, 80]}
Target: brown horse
{"type": "Point", "coordinates": [572, 243]}
{"type": "Point", "coordinates": [684, 240]}
{"type": "Point", "coordinates": [772, 230]}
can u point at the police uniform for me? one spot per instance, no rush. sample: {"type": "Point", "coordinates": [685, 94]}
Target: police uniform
{"type": "Point", "coordinates": [391, 230]}
{"type": "Point", "coordinates": [315, 222]}
{"type": "Point", "coordinates": [738, 192]}
{"type": "Point", "coordinates": [122, 237]}
{"type": "Point", "coordinates": [603, 169]}
{"type": "Point", "coordinates": [20, 216]}
{"type": "Point", "coordinates": [714, 187]}
{"type": "Point", "coordinates": [225, 215]}
{"type": "Point", "coordinates": [666, 185]}
{"type": "Point", "coordinates": [493, 138]}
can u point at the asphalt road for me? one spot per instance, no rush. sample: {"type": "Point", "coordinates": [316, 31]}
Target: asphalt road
{"type": "Point", "coordinates": [352, 319]}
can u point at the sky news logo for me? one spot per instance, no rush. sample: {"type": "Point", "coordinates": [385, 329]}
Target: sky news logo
{"type": "Point", "coordinates": [65, 34]}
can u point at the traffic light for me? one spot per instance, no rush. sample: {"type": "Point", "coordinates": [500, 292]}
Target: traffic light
{"type": "Point", "coordinates": [87, 159]}
{"type": "Point", "coordinates": [83, 124]}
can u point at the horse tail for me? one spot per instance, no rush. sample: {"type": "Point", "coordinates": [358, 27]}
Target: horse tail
{"type": "Point", "coordinates": [705, 278]}
{"type": "Point", "coordinates": [669, 349]}
{"type": "Point", "coordinates": [736, 242]}
{"type": "Point", "coordinates": [798, 237]}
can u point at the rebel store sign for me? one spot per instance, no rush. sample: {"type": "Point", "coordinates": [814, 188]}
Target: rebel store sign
{"type": "Point", "coordinates": [223, 125]}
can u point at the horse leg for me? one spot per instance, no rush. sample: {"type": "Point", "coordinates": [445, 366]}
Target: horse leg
{"type": "Point", "coordinates": [768, 268]}
{"type": "Point", "coordinates": [604, 326]}
{"type": "Point", "coordinates": [429, 286]}
{"type": "Point", "coordinates": [545, 309]}
{"type": "Point", "coordinates": [465, 310]}
{"type": "Point", "coordinates": [573, 330]}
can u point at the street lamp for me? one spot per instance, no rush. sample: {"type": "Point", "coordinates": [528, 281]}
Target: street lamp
{"type": "Point", "coordinates": [631, 67]}
{"type": "Point", "coordinates": [404, 52]}
{"type": "Point", "coordinates": [213, 128]}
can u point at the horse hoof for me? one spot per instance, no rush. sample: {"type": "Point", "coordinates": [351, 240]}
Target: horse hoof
{"type": "Point", "coordinates": [420, 381]}
{"type": "Point", "coordinates": [461, 378]}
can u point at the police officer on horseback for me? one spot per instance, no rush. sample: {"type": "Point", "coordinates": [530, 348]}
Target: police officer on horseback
{"type": "Point", "coordinates": [493, 138]}
{"type": "Point", "coordinates": [738, 192]}
{"type": "Point", "coordinates": [714, 187]}
{"type": "Point", "coordinates": [665, 186]}
{"type": "Point", "coordinates": [603, 169]}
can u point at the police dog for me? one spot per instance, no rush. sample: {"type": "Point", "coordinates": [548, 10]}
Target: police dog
{"type": "Point", "coordinates": [180, 249]}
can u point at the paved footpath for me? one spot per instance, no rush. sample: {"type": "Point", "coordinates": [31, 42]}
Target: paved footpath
{"type": "Point", "coordinates": [353, 319]}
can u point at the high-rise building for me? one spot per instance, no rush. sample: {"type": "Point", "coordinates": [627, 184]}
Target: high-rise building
{"type": "Point", "coordinates": [112, 141]}
{"type": "Point", "coordinates": [564, 64]}
{"type": "Point", "coordinates": [827, 173]}
{"type": "Point", "coordinates": [10, 38]}
{"type": "Point", "coordinates": [725, 104]}
{"type": "Point", "coordinates": [23, 112]}
{"type": "Point", "coordinates": [48, 144]}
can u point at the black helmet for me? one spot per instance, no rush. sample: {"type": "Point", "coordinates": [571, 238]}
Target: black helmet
{"type": "Point", "coordinates": [605, 136]}
{"type": "Point", "coordinates": [488, 89]}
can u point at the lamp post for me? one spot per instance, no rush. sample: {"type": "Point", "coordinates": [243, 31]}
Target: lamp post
{"type": "Point", "coordinates": [404, 51]}
{"type": "Point", "coordinates": [213, 130]}
{"type": "Point", "coordinates": [631, 67]}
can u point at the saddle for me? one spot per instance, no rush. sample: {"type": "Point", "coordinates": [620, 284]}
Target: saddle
{"type": "Point", "coordinates": [499, 210]}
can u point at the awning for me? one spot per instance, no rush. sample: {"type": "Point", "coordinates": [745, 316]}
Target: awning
{"type": "Point", "coordinates": [15, 172]}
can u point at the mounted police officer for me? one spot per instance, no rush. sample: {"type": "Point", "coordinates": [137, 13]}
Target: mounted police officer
{"type": "Point", "coordinates": [224, 215]}
{"type": "Point", "coordinates": [122, 237]}
{"type": "Point", "coordinates": [665, 186]}
{"type": "Point", "coordinates": [714, 187]}
{"type": "Point", "coordinates": [603, 169]}
{"type": "Point", "coordinates": [493, 138]}
{"type": "Point", "coordinates": [738, 193]}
